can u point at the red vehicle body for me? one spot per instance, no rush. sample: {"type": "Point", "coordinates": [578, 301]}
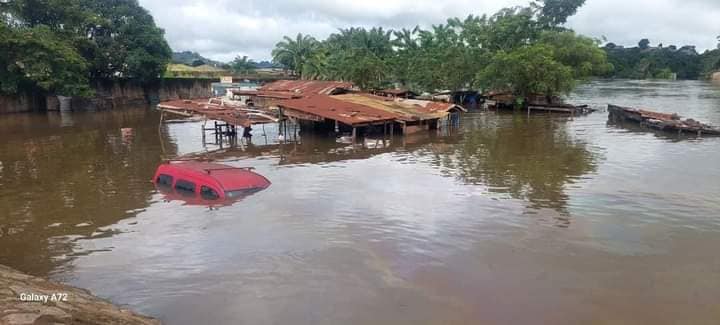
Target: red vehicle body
{"type": "Point", "coordinates": [206, 183]}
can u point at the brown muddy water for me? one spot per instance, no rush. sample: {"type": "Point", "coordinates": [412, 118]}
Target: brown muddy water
{"type": "Point", "coordinates": [511, 220]}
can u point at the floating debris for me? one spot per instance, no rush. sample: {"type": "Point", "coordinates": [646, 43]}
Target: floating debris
{"type": "Point", "coordinates": [661, 121]}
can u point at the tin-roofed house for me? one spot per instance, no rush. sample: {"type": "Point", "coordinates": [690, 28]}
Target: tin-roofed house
{"type": "Point", "coordinates": [268, 95]}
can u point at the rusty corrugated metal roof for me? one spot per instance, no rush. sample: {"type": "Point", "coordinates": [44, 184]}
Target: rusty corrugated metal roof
{"type": "Point", "coordinates": [396, 92]}
{"type": "Point", "coordinates": [234, 115]}
{"type": "Point", "coordinates": [306, 87]}
{"type": "Point", "coordinates": [329, 107]}
{"type": "Point", "coordinates": [406, 109]}
{"type": "Point", "coordinates": [267, 94]}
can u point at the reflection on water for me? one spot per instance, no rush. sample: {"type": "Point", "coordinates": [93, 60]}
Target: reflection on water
{"type": "Point", "coordinates": [545, 219]}
{"type": "Point", "coordinates": [529, 159]}
{"type": "Point", "coordinates": [68, 174]}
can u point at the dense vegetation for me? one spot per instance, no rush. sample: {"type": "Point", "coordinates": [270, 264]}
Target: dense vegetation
{"type": "Point", "coordinates": [521, 49]}
{"type": "Point", "coordinates": [60, 46]}
{"type": "Point", "coordinates": [662, 62]}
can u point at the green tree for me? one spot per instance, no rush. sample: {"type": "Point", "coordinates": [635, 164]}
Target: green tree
{"type": "Point", "coordinates": [641, 63]}
{"type": "Point", "coordinates": [114, 38]}
{"type": "Point", "coordinates": [581, 53]}
{"type": "Point", "coordinates": [38, 56]}
{"type": "Point", "coordinates": [359, 55]}
{"type": "Point", "coordinates": [127, 44]}
{"type": "Point", "coordinates": [242, 65]}
{"type": "Point", "coordinates": [296, 53]}
{"type": "Point", "coordinates": [554, 13]}
{"type": "Point", "coordinates": [644, 44]}
{"type": "Point", "coordinates": [526, 71]}
{"type": "Point", "coordinates": [456, 55]}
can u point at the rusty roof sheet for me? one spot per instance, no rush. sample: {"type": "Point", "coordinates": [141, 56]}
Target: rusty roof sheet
{"type": "Point", "coordinates": [329, 107]}
{"type": "Point", "coordinates": [406, 109]}
{"type": "Point", "coordinates": [231, 114]}
{"type": "Point", "coordinates": [306, 87]}
{"type": "Point", "coordinates": [395, 91]}
{"type": "Point", "coordinates": [267, 94]}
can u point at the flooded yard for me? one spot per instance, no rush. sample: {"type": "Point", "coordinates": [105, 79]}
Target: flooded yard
{"type": "Point", "coordinates": [510, 220]}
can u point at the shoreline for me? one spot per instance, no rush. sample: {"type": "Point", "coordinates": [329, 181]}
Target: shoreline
{"type": "Point", "coordinates": [27, 299]}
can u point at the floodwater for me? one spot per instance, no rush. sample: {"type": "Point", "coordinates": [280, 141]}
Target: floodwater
{"type": "Point", "coordinates": [510, 220]}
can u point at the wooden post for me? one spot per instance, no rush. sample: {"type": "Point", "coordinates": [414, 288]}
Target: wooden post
{"type": "Point", "coordinates": [354, 135]}
{"type": "Point", "coordinates": [392, 130]}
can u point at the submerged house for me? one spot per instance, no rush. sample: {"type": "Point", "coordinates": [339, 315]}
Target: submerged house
{"type": "Point", "coordinates": [505, 99]}
{"type": "Point", "coordinates": [467, 98]}
{"type": "Point", "coordinates": [273, 92]}
{"type": "Point", "coordinates": [335, 106]}
{"type": "Point", "coordinates": [321, 112]}
{"type": "Point", "coordinates": [413, 115]}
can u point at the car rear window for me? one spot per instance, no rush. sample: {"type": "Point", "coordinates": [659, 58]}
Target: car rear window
{"type": "Point", "coordinates": [164, 180]}
{"type": "Point", "coordinates": [208, 193]}
{"type": "Point", "coordinates": [185, 187]}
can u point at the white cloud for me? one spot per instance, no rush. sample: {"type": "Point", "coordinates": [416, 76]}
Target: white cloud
{"type": "Point", "coordinates": [670, 22]}
{"type": "Point", "coordinates": [222, 29]}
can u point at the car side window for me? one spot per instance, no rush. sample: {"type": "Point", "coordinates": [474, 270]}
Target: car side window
{"type": "Point", "coordinates": [185, 188]}
{"type": "Point", "coordinates": [164, 180]}
{"type": "Point", "coordinates": [208, 193]}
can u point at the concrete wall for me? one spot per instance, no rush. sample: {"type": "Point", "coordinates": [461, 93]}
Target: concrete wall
{"type": "Point", "coordinates": [23, 102]}
{"type": "Point", "coordinates": [112, 95]}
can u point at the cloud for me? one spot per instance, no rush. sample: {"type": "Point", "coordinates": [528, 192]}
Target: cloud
{"type": "Point", "coordinates": [670, 22]}
{"type": "Point", "coordinates": [222, 29]}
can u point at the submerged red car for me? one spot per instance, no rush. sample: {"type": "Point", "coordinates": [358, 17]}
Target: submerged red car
{"type": "Point", "coordinates": [207, 183]}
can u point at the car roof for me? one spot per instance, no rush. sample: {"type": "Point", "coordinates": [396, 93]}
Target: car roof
{"type": "Point", "coordinates": [228, 177]}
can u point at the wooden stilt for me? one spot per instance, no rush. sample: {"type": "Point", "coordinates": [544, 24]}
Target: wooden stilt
{"type": "Point", "coordinates": [354, 135]}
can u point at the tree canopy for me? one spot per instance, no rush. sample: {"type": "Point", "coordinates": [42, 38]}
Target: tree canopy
{"type": "Point", "coordinates": [243, 65]}
{"type": "Point", "coordinates": [75, 41]}
{"type": "Point", "coordinates": [646, 61]}
{"type": "Point", "coordinates": [518, 49]}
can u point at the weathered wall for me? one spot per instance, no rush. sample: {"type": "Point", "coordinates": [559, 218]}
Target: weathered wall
{"type": "Point", "coordinates": [112, 95]}
{"type": "Point", "coordinates": [126, 93]}
{"type": "Point", "coordinates": [23, 102]}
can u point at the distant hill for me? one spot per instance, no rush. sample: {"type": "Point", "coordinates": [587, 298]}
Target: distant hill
{"type": "Point", "coordinates": [193, 59]}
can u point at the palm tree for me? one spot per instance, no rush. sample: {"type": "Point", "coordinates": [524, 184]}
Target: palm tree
{"type": "Point", "coordinates": [242, 65]}
{"type": "Point", "coordinates": [295, 54]}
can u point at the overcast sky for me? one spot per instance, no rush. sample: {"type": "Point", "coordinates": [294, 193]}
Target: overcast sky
{"type": "Point", "coordinates": [222, 29]}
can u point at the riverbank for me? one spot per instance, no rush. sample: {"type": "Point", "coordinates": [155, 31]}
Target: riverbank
{"type": "Point", "coordinates": [26, 299]}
